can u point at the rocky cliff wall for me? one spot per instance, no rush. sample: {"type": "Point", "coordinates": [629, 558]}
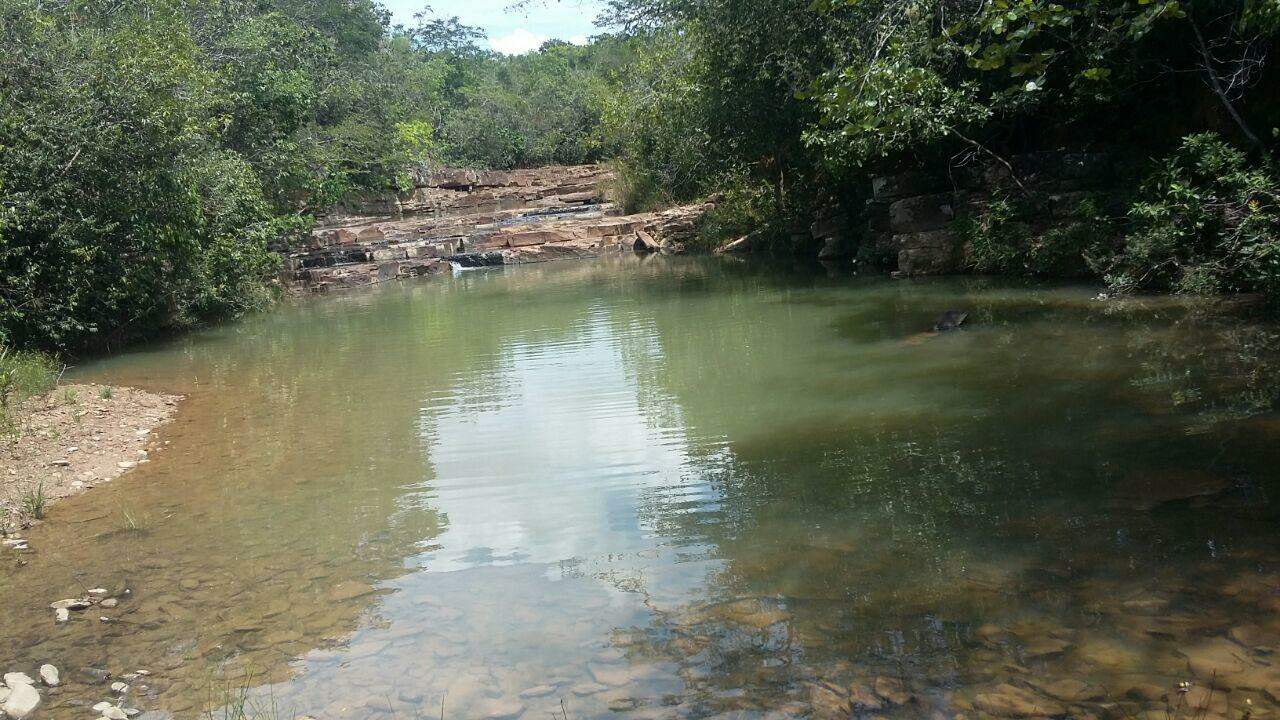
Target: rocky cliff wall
{"type": "Point", "coordinates": [911, 217]}
{"type": "Point", "coordinates": [471, 218]}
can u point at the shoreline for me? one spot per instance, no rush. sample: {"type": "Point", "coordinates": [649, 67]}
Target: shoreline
{"type": "Point", "coordinates": [72, 439]}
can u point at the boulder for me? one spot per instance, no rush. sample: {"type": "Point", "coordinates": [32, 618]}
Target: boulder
{"type": "Point", "coordinates": [894, 187]}
{"type": "Point", "coordinates": [22, 701]}
{"type": "Point", "coordinates": [928, 253]}
{"type": "Point", "coordinates": [370, 234]}
{"type": "Point", "coordinates": [645, 243]}
{"type": "Point", "coordinates": [14, 679]}
{"type": "Point", "coordinates": [832, 248]}
{"type": "Point", "coordinates": [922, 214]}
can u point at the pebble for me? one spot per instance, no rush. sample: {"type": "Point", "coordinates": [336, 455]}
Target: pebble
{"type": "Point", "coordinates": [61, 615]}
{"type": "Point", "coordinates": [109, 603]}
{"type": "Point", "coordinates": [119, 687]}
{"type": "Point", "coordinates": [126, 465]}
{"type": "Point", "coordinates": [98, 591]}
{"type": "Point", "coordinates": [49, 675]}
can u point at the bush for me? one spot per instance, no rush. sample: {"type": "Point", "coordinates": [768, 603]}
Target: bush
{"type": "Point", "coordinates": [23, 375]}
{"type": "Point", "coordinates": [1002, 237]}
{"type": "Point", "coordinates": [1207, 221]}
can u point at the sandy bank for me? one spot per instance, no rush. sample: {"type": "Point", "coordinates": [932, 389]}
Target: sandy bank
{"type": "Point", "coordinates": [74, 438]}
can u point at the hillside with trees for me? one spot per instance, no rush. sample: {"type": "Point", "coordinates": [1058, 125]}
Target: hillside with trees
{"type": "Point", "coordinates": [154, 154]}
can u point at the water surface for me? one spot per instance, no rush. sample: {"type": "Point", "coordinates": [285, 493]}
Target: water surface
{"type": "Point", "coordinates": [678, 488]}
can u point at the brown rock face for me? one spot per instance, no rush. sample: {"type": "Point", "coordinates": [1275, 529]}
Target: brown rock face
{"type": "Point", "coordinates": [477, 219]}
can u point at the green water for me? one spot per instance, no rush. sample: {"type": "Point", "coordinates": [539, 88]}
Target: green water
{"type": "Point", "coordinates": [681, 488]}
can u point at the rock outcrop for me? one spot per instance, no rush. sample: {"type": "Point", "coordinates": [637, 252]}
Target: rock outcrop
{"type": "Point", "coordinates": [911, 216]}
{"type": "Point", "coordinates": [469, 218]}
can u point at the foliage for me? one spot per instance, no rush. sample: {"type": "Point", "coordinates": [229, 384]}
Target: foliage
{"type": "Point", "coordinates": [1002, 237]}
{"type": "Point", "coordinates": [153, 152]}
{"type": "Point", "coordinates": [33, 501]}
{"type": "Point", "coordinates": [1207, 221]}
{"type": "Point", "coordinates": [534, 109]}
{"type": "Point", "coordinates": [23, 375]}
{"type": "Point", "coordinates": [807, 95]}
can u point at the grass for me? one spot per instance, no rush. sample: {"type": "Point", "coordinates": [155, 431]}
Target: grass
{"type": "Point", "coordinates": [23, 375]}
{"type": "Point", "coordinates": [106, 393]}
{"type": "Point", "coordinates": [33, 501]}
{"type": "Point", "coordinates": [70, 396]}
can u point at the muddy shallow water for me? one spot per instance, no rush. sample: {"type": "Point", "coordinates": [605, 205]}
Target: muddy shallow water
{"type": "Point", "coordinates": [683, 488]}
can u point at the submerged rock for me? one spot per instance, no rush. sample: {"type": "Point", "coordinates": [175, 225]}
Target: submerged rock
{"type": "Point", "coordinates": [1045, 647]}
{"type": "Point", "coordinates": [501, 709]}
{"type": "Point", "coordinates": [537, 692]}
{"type": "Point", "coordinates": [1067, 689]}
{"type": "Point", "coordinates": [828, 702]}
{"type": "Point", "coordinates": [863, 698]}
{"type": "Point", "coordinates": [1215, 659]}
{"type": "Point", "coordinates": [950, 320]}
{"type": "Point", "coordinates": [892, 690]}
{"type": "Point", "coordinates": [49, 675]}
{"type": "Point", "coordinates": [1006, 700]}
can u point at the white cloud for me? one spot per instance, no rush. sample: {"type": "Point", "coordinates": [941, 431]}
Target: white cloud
{"type": "Point", "coordinates": [518, 42]}
{"type": "Point", "coordinates": [580, 40]}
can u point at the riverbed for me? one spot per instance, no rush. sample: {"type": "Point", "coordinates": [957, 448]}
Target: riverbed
{"type": "Point", "coordinates": [679, 488]}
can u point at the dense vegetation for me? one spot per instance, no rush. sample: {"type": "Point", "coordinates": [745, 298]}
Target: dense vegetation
{"type": "Point", "coordinates": [792, 105]}
{"type": "Point", "coordinates": [153, 153]}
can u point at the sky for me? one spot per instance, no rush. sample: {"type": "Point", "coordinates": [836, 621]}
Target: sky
{"type": "Point", "coordinates": [512, 32]}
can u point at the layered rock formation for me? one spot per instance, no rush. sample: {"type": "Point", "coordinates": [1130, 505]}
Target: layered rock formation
{"type": "Point", "coordinates": [912, 215]}
{"type": "Point", "coordinates": [473, 218]}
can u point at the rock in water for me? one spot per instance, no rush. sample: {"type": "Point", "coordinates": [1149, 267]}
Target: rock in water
{"type": "Point", "coordinates": [645, 243]}
{"type": "Point", "coordinates": [23, 700]}
{"type": "Point", "coordinates": [49, 675]}
{"type": "Point", "coordinates": [14, 679]}
{"type": "Point", "coordinates": [950, 320]}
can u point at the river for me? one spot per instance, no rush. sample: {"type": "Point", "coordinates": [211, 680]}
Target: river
{"type": "Point", "coordinates": [681, 488]}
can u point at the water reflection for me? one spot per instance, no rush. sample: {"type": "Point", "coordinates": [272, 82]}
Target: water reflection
{"type": "Point", "coordinates": [680, 488]}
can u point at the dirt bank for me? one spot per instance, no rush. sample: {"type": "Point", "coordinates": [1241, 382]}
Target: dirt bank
{"type": "Point", "coordinates": [74, 438]}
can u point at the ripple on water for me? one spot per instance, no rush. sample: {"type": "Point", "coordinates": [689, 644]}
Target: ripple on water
{"type": "Point", "coordinates": [682, 489]}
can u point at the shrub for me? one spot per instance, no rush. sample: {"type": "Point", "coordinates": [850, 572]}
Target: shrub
{"type": "Point", "coordinates": [1003, 237]}
{"type": "Point", "coordinates": [23, 375]}
{"type": "Point", "coordinates": [1207, 221]}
